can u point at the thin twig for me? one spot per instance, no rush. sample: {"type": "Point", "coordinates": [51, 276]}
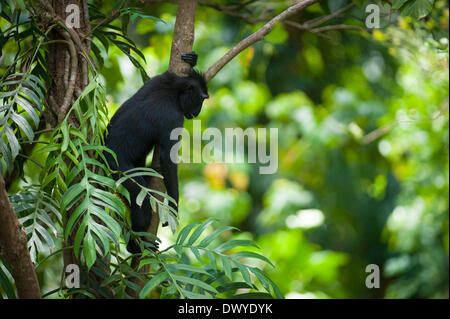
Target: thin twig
{"type": "Point", "coordinates": [32, 160]}
{"type": "Point", "coordinates": [322, 29]}
{"type": "Point", "coordinates": [375, 134]}
{"type": "Point", "coordinates": [336, 27]}
{"type": "Point", "coordinates": [255, 37]}
{"type": "Point", "coordinates": [321, 20]}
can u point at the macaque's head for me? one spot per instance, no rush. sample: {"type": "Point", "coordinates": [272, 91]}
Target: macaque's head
{"type": "Point", "coordinates": [193, 94]}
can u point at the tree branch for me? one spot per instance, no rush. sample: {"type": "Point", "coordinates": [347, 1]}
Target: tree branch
{"type": "Point", "coordinates": [255, 37]}
{"type": "Point", "coordinates": [13, 247]}
{"type": "Point", "coordinates": [336, 27]}
{"type": "Point", "coordinates": [183, 36]}
{"type": "Point", "coordinates": [322, 29]}
{"type": "Point", "coordinates": [182, 41]}
{"type": "Point", "coordinates": [234, 10]}
{"type": "Point", "coordinates": [321, 20]}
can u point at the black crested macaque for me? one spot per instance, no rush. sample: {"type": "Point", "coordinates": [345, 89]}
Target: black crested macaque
{"type": "Point", "coordinates": [147, 119]}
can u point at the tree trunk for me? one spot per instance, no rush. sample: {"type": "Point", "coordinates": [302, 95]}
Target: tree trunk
{"type": "Point", "coordinates": [67, 65]}
{"type": "Point", "coordinates": [13, 247]}
{"type": "Point", "coordinates": [68, 70]}
{"type": "Point", "coordinates": [182, 42]}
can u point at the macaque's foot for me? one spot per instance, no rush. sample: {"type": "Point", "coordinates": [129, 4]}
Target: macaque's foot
{"type": "Point", "coordinates": [190, 58]}
{"type": "Point", "coordinates": [134, 248]}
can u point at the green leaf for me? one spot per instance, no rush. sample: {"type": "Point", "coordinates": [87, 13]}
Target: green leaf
{"type": "Point", "coordinates": [129, 174]}
{"type": "Point", "coordinates": [155, 281]}
{"type": "Point", "coordinates": [397, 4]}
{"type": "Point", "coordinates": [13, 143]}
{"type": "Point", "coordinates": [110, 222]}
{"type": "Point", "coordinates": [66, 136]}
{"type": "Point", "coordinates": [24, 126]}
{"type": "Point", "coordinates": [73, 192]}
{"type": "Point", "coordinates": [147, 261]}
{"type": "Point", "coordinates": [418, 9]}
{"type": "Point", "coordinates": [136, 12]}
{"type": "Point", "coordinates": [244, 271]}
{"type": "Point", "coordinates": [141, 196]}
{"type": "Point", "coordinates": [132, 285]}
{"type": "Point", "coordinates": [275, 288]}
{"type": "Point", "coordinates": [250, 254]}
{"type": "Point", "coordinates": [32, 93]}
{"type": "Point", "coordinates": [199, 230]}
{"type": "Point", "coordinates": [185, 232]}
{"type": "Point", "coordinates": [6, 285]}
{"type": "Point", "coordinates": [233, 286]}
{"type": "Point", "coordinates": [89, 249]}
{"type": "Point", "coordinates": [29, 109]}
{"type": "Point", "coordinates": [125, 22]}
{"type": "Point", "coordinates": [208, 239]}
{"type": "Point", "coordinates": [6, 154]}
{"type": "Point", "coordinates": [102, 235]}
{"type": "Point", "coordinates": [252, 295]}
{"type": "Point", "coordinates": [113, 201]}
{"type": "Point", "coordinates": [212, 258]}
{"type": "Point", "coordinates": [172, 222]}
{"type": "Point", "coordinates": [76, 215]}
{"type": "Point", "coordinates": [261, 277]}
{"type": "Point", "coordinates": [226, 266]}
{"type": "Point", "coordinates": [186, 267]}
{"type": "Point", "coordinates": [79, 236]}
{"type": "Point", "coordinates": [193, 295]}
{"type": "Point", "coordinates": [6, 94]}
{"type": "Point", "coordinates": [196, 253]}
{"type": "Point", "coordinates": [234, 243]}
{"type": "Point", "coordinates": [195, 282]}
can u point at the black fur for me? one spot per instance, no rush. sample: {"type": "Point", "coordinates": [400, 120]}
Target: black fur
{"type": "Point", "coordinates": [146, 119]}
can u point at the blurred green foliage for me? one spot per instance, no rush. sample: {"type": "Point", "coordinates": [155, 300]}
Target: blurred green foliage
{"type": "Point", "coordinates": [363, 150]}
{"type": "Point", "coordinates": [363, 125]}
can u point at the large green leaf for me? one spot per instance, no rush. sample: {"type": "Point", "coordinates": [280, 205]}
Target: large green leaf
{"type": "Point", "coordinates": [418, 9]}
{"type": "Point", "coordinates": [155, 281]}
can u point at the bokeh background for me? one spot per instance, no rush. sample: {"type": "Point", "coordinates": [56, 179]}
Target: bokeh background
{"type": "Point", "coordinates": [363, 148]}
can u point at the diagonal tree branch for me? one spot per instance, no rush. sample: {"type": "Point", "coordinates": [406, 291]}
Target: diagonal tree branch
{"type": "Point", "coordinates": [255, 37]}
